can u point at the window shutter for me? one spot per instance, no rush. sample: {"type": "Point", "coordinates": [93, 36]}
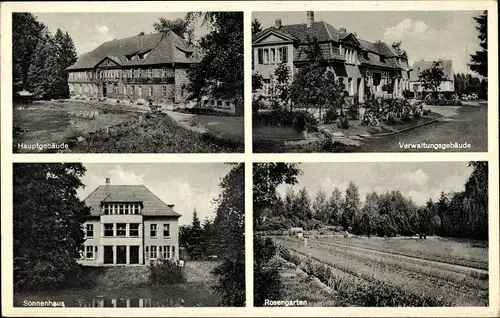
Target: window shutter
{"type": "Point", "coordinates": [260, 56]}
{"type": "Point", "coordinates": [284, 52]}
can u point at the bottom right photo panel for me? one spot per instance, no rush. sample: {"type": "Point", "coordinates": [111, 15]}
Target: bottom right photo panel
{"type": "Point", "coordinates": [371, 234]}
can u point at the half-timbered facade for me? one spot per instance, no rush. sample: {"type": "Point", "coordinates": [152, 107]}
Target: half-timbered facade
{"type": "Point", "coordinates": [151, 67]}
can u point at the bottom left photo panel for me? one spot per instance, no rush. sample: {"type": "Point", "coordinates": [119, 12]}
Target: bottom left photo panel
{"type": "Point", "coordinates": [128, 234]}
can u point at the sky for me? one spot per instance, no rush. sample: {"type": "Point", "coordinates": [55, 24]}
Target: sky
{"type": "Point", "coordinates": [418, 180]}
{"type": "Point", "coordinates": [186, 185]}
{"type": "Point", "coordinates": [425, 35]}
{"type": "Point", "coordinates": [90, 29]}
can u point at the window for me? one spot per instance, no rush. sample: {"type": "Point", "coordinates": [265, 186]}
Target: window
{"type": "Point", "coordinates": [173, 251]}
{"type": "Point", "coordinates": [165, 252]}
{"type": "Point", "coordinates": [273, 55]}
{"type": "Point", "coordinates": [150, 91]}
{"type": "Point", "coordinates": [164, 91]}
{"type": "Point", "coordinates": [266, 56]}
{"type": "Point", "coordinates": [90, 230]}
{"type": "Point", "coordinates": [152, 252]}
{"type": "Point", "coordinates": [89, 252]}
{"type": "Point", "coordinates": [153, 230]}
{"type": "Point", "coordinates": [228, 104]}
{"type": "Point", "coordinates": [284, 54]}
{"type": "Point", "coordinates": [133, 229]}
{"type": "Point", "coordinates": [121, 229]}
{"type": "Point", "coordinates": [260, 56]}
{"type": "Point", "coordinates": [108, 229]}
{"type": "Point", "coordinates": [115, 89]}
{"type": "Point", "coordinates": [166, 230]}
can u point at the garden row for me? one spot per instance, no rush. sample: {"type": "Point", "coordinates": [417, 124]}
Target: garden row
{"type": "Point", "coordinates": [427, 250]}
{"type": "Point", "coordinates": [400, 275]}
{"type": "Point", "coordinates": [354, 288]}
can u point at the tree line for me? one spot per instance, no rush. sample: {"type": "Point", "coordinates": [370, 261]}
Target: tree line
{"type": "Point", "coordinates": [39, 58]}
{"type": "Point", "coordinates": [462, 214]}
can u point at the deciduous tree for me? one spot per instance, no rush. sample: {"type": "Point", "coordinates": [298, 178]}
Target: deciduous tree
{"type": "Point", "coordinates": [432, 77]}
{"type": "Point", "coordinates": [48, 220]}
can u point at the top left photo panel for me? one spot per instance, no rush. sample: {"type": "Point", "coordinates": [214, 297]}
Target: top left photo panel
{"type": "Point", "coordinates": [118, 82]}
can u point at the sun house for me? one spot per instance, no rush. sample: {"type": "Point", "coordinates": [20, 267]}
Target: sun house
{"type": "Point", "coordinates": [128, 225]}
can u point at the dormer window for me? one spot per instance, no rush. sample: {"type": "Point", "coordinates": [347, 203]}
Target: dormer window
{"type": "Point", "coordinates": [121, 208]}
{"type": "Point", "coordinates": [382, 59]}
{"type": "Point", "coordinates": [189, 55]}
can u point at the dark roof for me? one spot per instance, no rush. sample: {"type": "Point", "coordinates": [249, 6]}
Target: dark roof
{"type": "Point", "coordinates": [152, 205]}
{"type": "Point", "coordinates": [164, 49]}
{"type": "Point", "coordinates": [324, 32]}
{"type": "Point", "coordinates": [329, 53]}
{"type": "Point", "coordinates": [420, 66]}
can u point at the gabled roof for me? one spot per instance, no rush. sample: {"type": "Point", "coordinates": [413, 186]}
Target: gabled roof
{"type": "Point", "coordinates": [322, 31]}
{"type": "Point", "coordinates": [152, 205]}
{"type": "Point", "coordinates": [420, 66]}
{"type": "Point", "coordinates": [163, 49]}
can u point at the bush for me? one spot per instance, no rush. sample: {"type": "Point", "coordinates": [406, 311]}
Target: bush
{"type": "Point", "coordinates": [231, 283]}
{"type": "Point", "coordinates": [302, 120]}
{"type": "Point", "coordinates": [165, 271]}
{"type": "Point", "coordinates": [267, 281]}
{"type": "Point", "coordinates": [330, 116]}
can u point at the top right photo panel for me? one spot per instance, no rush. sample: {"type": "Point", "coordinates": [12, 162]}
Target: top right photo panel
{"type": "Point", "coordinates": [369, 81]}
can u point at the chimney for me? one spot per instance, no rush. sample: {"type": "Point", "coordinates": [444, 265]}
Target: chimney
{"type": "Point", "coordinates": [343, 30]}
{"type": "Point", "coordinates": [277, 24]}
{"type": "Point", "coordinates": [108, 181]}
{"type": "Point", "coordinates": [310, 18]}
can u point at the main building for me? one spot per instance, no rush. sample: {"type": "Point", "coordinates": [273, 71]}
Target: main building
{"type": "Point", "coordinates": [129, 225]}
{"type": "Point", "coordinates": [150, 67]}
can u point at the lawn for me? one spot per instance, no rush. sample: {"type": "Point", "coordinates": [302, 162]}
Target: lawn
{"type": "Point", "coordinates": [224, 127]}
{"type": "Point", "coordinates": [391, 274]}
{"type": "Point", "coordinates": [131, 130]}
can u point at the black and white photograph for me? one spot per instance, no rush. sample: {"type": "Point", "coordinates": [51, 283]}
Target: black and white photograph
{"type": "Point", "coordinates": [369, 81]}
{"type": "Point", "coordinates": [128, 235]}
{"type": "Point", "coordinates": [127, 82]}
{"type": "Point", "coordinates": [362, 234]}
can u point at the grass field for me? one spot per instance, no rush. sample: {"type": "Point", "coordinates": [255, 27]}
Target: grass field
{"type": "Point", "coordinates": [56, 122]}
{"type": "Point", "coordinates": [378, 271]}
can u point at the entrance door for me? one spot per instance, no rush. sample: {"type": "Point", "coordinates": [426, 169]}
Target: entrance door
{"type": "Point", "coordinates": [134, 254]}
{"type": "Point", "coordinates": [104, 90]}
{"type": "Point", "coordinates": [121, 254]}
{"type": "Point", "coordinates": [108, 254]}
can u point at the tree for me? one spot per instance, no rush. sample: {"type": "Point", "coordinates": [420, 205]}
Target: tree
{"type": "Point", "coordinates": [256, 26]}
{"type": "Point", "coordinates": [351, 205]}
{"type": "Point", "coordinates": [266, 178]}
{"type": "Point", "coordinates": [48, 220]}
{"type": "Point", "coordinates": [27, 31]}
{"type": "Point", "coordinates": [220, 71]}
{"type": "Point", "coordinates": [315, 84]}
{"type": "Point", "coordinates": [476, 200]}
{"type": "Point", "coordinates": [432, 77]}
{"type": "Point", "coordinates": [282, 76]}
{"type": "Point", "coordinates": [334, 208]}
{"type": "Point", "coordinates": [194, 239]}
{"type": "Point", "coordinates": [177, 26]}
{"type": "Point", "coordinates": [229, 226]}
{"type": "Point", "coordinates": [44, 72]}
{"type": "Point", "coordinates": [320, 206]}
{"type": "Point", "coordinates": [302, 208]}
{"type": "Point", "coordinates": [66, 57]}
{"type": "Point", "coordinates": [480, 59]}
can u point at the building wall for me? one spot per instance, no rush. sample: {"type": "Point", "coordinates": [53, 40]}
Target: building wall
{"type": "Point", "coordinates": [160, 240]}
{"type": "Point", "coordinates": [268, 69]}
{"type": "Point", "coordinates": [144, 239]}
{"type": "Point", "coordinates": [181, 84]}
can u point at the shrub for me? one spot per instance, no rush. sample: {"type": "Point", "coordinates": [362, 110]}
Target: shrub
{"type": "Point", "coordinates": [443, 102]}
{"type": "Point", "coordinates": [302, 120]}
{"type": "Point", "coordinates": [165, 271]}
{"type": "Point", "coordinates": [267, 281]}
{"type": "Point", "coordinates": [231, 282]}
{"type": "Point", "coordinates": [330, 116]}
